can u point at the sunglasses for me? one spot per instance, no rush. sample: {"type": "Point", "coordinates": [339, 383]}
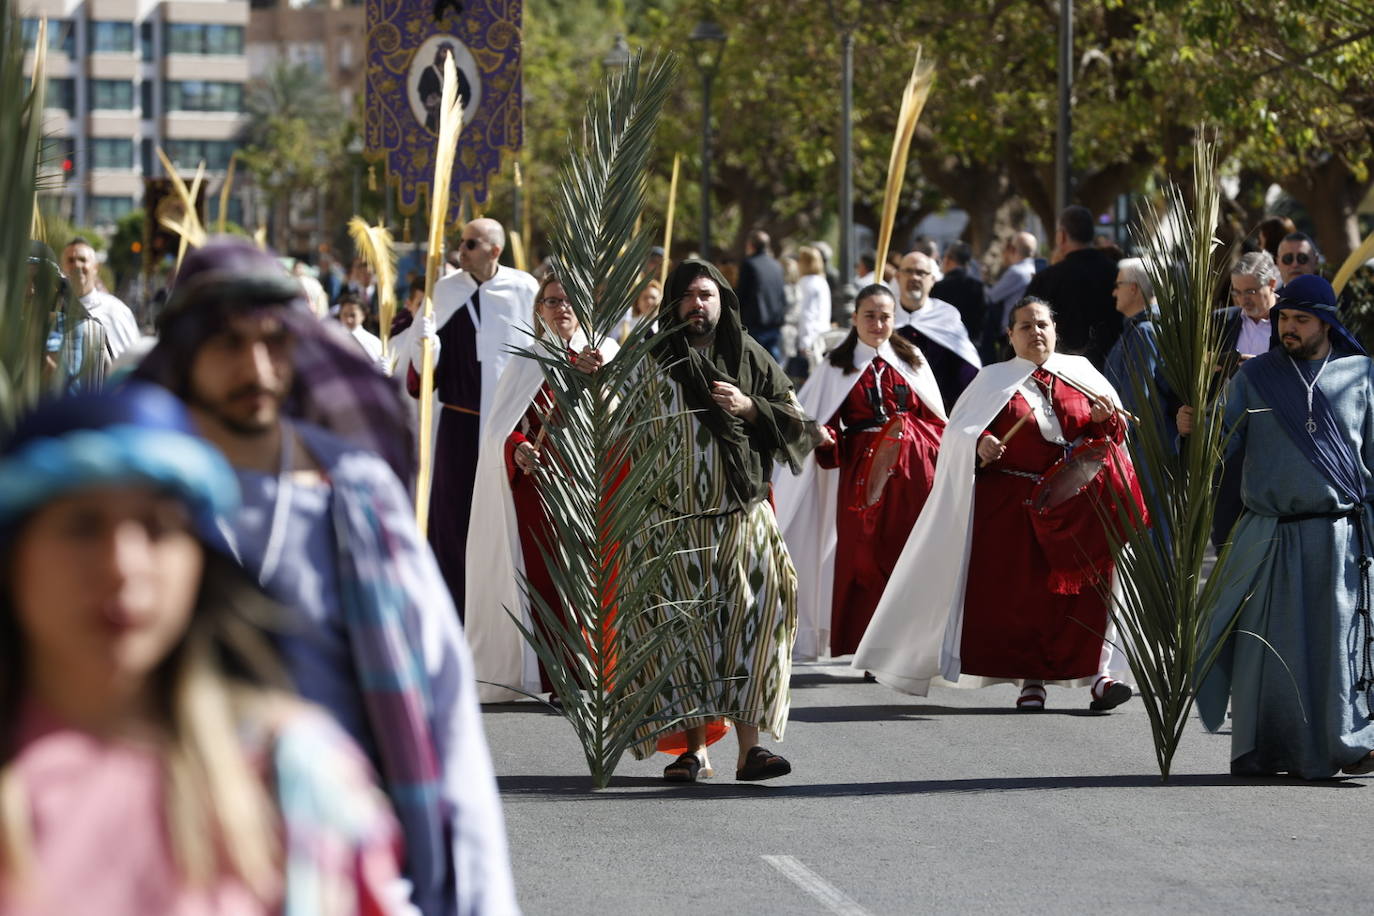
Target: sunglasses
{"type": "Point", "coordinates": [471, 244]}
{"type": "Point", "coordinates": [1301, 257]}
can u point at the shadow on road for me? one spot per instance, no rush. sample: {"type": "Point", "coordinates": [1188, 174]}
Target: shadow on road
{"type": "Point", "coordinates": [916, 712]}
{"type": "Point", "coordinates": [638, 788]}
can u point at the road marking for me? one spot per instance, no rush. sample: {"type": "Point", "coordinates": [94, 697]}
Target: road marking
{"type": "Point", "coordinates": [827, 894]}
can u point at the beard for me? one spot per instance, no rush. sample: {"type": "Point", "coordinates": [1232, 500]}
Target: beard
{"type": "Point", "coordinates": [1301, 349]}
{"type": "Point", "coordinates": [241, 420]}
{"type": "Point", "coordinates": [699, 332]}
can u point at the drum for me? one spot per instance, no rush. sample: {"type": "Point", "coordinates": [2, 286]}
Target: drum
{"type": "Point", "coordinates": [879, 463]}
{"type": "Point", "coordinates": [1082, 505]}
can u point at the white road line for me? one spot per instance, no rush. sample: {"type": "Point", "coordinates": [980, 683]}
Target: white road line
{"type": "Point", "coordinates": [827, 894]}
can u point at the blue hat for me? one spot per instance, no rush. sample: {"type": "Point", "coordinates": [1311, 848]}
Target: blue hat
{"type": "Point", "coordinates": [1313, 294]}
{"type": "Point", "coordinates": [135, 434]}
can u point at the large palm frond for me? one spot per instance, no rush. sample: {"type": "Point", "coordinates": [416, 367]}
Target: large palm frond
{"type": "Point", "coordinates": [610, 543]}
{"type": "Point", "coordinates": [1164, 602]}
{"type": "Point", "coordinates": [24, 318]}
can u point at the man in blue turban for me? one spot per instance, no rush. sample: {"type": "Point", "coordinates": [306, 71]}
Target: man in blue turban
{"type": "Point", "coordinates": [1298, 667]}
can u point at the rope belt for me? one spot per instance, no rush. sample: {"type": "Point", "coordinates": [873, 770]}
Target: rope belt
{"type": "Point", "coordinates": [466, 410]}
{"type": "Point", "coordinates": [871, 424]}
{"type": "Point", "coordinates": [1028, 475]}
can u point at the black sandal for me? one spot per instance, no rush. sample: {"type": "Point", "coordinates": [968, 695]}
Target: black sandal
{"type": "Point", "coordinates": [683, 769]}
{"type": "Point", "coordinates": [760, 764]}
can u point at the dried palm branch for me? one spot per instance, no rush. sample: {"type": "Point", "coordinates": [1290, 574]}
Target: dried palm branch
{"type": "Point", "coordinates": [378, 249]}
{"type": "Point", "coordinates": [1163, 605]}
{"type": "Point", "coordinates": [446, 148]}
{"type": "Point", "coordinates": [184, 217]}
{"type": "Point", "coordinates": [668, 223]}
{"type": "Point", "coordinates": [913, 101]}
{"type": "Point", "coordinates": [222, 226]}
{"type": "Point", "coordinates": [1353, 263]}
{"type": "Point", "coordinates": [616, 641]}
{"type": "Point", "coordinates": [517, 251]}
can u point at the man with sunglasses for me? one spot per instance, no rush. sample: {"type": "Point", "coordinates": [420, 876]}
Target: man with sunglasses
{"type": "Point", "coordinates": [1298, 255]}
{"type": "Point", "coordinates": [480, 313]}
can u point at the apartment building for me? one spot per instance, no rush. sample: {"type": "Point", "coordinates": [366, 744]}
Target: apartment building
{"type": "Point", "coordinates": [128, 76]}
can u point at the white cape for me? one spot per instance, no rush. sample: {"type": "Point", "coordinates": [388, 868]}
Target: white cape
{"type": "Point", "coordinates": [806, 502]}
{"type": "Point", "coordinates": [507, 307]}
{"type": "Point", "coordinates": [917, 628]}
{"type": "Point", "coordinates": [494, 559]}
{"type": "Point", "coordinates": [941, 322]}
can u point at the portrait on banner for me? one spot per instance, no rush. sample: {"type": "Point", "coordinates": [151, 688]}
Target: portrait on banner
{"type": "Point", "coordinates": [425, 83]}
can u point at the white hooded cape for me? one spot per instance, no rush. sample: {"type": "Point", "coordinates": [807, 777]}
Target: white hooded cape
{"type": "Point", "coordinates": [806, 502]}
{"type": "Point", "coordinates": [507, 307]}
{"type": "Point", "coordinates": [941, 322]}
{"type": "Point", "coordinates": [500, 654]}
{"type": "Point", "coordinates": [917, 628]}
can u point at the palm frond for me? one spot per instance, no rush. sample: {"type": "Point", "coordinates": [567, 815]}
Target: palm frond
{"type": "Point", "coordinates": [913, 101]}
{"type": "Point", "coordinates": [446, 148]}
{"type": "Point", "coordinates": [1165, 597]}
{"type": "Point", "coordinates": [378, 249]}
{"type": "Point", "coordinates": [26, 291]}
{"type": "Point", "coordinates": [184, 216]}
{"type": "Point", "coordinates": [616, 644]}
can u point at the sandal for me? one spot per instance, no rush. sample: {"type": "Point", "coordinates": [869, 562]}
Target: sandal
{"type": "Point", "coordinates": [1360, 767]}
{"type": "Point", "coordinates": [1032, 698]}
{"type": "Point", "coordinates": [761, 763]}
{"type": "Point", "coordinates": [1109, 694]}
{"type": "Point", "coordinates": [684, 769]}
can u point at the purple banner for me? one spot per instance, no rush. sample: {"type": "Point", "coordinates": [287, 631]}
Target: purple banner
{"type": "Point", "coordinates": [407, 41]}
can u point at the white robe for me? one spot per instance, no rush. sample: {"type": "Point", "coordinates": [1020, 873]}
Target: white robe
{"type": "Point", "coordinates": [121, 330]}
{"type": "Point", "coordinates": [917, 628]}
{"type": "Point", "coordinates": [806, 502]}
{"type": "Point", "coordinates": [494, 558]}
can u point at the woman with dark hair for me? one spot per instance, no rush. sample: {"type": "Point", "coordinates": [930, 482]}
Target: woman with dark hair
{"type": "Point", "coordinates": [148, 761]}
{"type": "Point", "coordinates": [848, 513]}
{"type": "Point", "coordinates": [506, 502]}
{"type": "Point", "coordinates": [1012, 579]}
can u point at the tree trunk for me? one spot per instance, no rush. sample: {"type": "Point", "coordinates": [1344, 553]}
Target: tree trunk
{"type": "Point", "coordinates": [1331, 194]}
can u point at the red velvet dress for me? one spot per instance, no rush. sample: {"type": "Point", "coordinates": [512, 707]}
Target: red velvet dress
{"type": "Point", "coordinates": [1015, 626]}
{"type": "Point", "coordinates": [529, 508]}
{"type": "Point", "coordinates": [869, 539]}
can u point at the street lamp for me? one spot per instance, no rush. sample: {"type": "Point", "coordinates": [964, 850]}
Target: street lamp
{"type": "Point", "coordinates": [846, 26]}
{"type": "Point", "coordinates": [618, 58]}
{"type": "Point", "coordinates": [708, 39]}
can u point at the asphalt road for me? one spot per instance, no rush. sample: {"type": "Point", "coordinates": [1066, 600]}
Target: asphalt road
{"type": "Point", "coordinates": [951, 803]}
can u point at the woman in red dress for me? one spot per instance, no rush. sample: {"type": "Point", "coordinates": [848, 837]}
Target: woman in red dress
{"type": "Point", "coordinates": [884, 418]}
{"type": "Point", "coordinates": [1049, 625]}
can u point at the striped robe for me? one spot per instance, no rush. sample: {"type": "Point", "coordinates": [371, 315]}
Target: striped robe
{"type": "Point", "coordinates": [741, 663]}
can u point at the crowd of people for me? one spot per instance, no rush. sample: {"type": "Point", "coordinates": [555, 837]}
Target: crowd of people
{"type": "Point", "coordinates": [223, 636]}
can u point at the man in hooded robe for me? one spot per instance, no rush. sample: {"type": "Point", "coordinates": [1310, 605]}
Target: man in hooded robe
{"type": "Point", "coordinates": [731, 405]}
{"type": "Point", "coordinates": [1297, 668]}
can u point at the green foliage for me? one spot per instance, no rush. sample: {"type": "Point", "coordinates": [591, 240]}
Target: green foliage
{"type": "Point", "coordinates": [607, 554]}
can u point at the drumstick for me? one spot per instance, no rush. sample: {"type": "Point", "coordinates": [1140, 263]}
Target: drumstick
{"type": "Point", "coordinates": [1016, 428]}
{"type": "Point", "coordinates": [1093, 397]}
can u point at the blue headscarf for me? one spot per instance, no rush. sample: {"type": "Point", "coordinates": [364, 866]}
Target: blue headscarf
{"type": "Point", "coordinates": [137, 434]}
{"type": "Point", "coordinates": [1312, 294]}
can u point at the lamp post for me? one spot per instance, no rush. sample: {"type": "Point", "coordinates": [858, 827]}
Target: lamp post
{"type": "Point", "coordinates": [708, 38]}
{"type": "Point", "coordinates": [618, 58]}
{"type": "Point", "coordinates": [845, 17]}
{"type": "Point", "coordinates": [1063, 165]}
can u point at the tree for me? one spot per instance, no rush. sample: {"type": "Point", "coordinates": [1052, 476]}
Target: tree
{"type": "Point", "coordinates": [294, 140]}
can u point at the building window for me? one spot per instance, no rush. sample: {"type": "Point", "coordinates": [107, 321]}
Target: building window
{"type": "Point", "coordinates": [107, 210]}
{"type": "Point", "coordinates": [187, 154]}
{"type": "Point", "coordinates": [200, 38]}
{"type": "Point", "coordinates": [145, 97]}
{"type": "Point", "coordinates": [114, 153]}
{"type": "Point", "coordinates": [112, 37]}
{"type": "Point", "coordinates": [61, 37]}
{"type": "Point", "coordinates": [198, 95]}
{"type": "Point", "coordinates": [145, 41]}
{"type": "Point", "coordinates": [145, 156]}
{"type": "Point", "coordinates": [112, 95]}
{"type": "Point", "coordinates": [60, 95]}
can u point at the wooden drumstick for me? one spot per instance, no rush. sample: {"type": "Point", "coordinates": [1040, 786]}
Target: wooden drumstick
{"type": "Point", "coordinates": [1093, 397]}
{"type": "Point", "coordinates": [1016, 428]}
